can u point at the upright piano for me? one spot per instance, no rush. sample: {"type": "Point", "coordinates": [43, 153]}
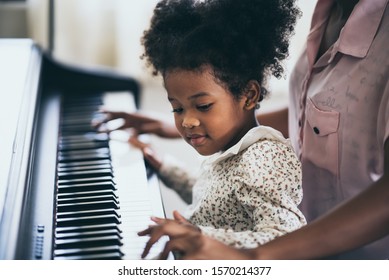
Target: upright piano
{"type": "Point", "coordinates": [68, 191]}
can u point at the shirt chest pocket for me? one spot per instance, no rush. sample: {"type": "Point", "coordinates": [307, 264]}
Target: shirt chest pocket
{"type": "Point", "coordinates": [321, 144]}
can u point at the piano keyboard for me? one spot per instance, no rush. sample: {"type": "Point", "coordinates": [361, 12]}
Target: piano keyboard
{"type": "Point", "coordinates": [103, 194]}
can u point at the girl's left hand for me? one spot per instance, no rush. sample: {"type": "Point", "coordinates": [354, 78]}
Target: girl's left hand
{"type": "Point", "coordinates": [148, 153]}
{"type": "Point", "coordinates": [173, 228]}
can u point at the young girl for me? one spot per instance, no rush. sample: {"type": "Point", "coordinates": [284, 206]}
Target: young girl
{"type": "Point", "coordinates": [214, 57]}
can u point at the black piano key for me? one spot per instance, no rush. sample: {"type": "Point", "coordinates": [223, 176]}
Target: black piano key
{"type": "Point", "coordinates": [92, 220]}
{"type": "Point", "coordinates": [80, 110]}
{"type": "Point", "coordinates": [89, 234]}
{"type": "Point", "coordinates": [84, 154]}
{"type": "Point", "coordinates": [94, 205]}
{"type": "Point", "coordinates": [85, 137]}
{"type": "Point", "coordinates": [93, 136]}
{"type": "Point", "coordinates": [76, 129]}
{"type": "Point", "coordinates": [94, 99]}
{"type": "Point", "coordinates": [84, 168]}
{"type": "Point", "coordinates": [81, 119]}
{"type": "Point", "coordinates": [102, 150]}
{"type": "Point", "coordinates": [84, 174]}
{"type": "Point", "coordinates": [78, 164]}
{"type": "Point", "coordinates": [77, 126]}
{"type": "Point", "coordinates": [84, 99]}
{"type": "Point", "coordinates": [97, 256]}
{"type": "Point", "coordinates": [77, 111]}
{"type": "Point", "coordinates": [77, 158]}
{"type": "Point", "coordinates": [87, 195]}
{"type": "Point", "coordinates": [90, 198]}
{"type": "Point", "coordinates": [93, 180]}
{"type": "Point", "coordinates": [77, 117]}
{"type": "Point", "coordinates": [87, 228]}
{"type": "Point", "coordinates": [88, 213]}
{"type": "Point", "coordinates": [82, 146]}
{"type": "Point", "coordinates": [86, 251]}
{"type": "Point", "coordinates": [87, 242]}
{"type": "Point", "coordinates": [84, 187]}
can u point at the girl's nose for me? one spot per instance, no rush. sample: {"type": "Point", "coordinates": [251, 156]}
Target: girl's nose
{"type": "Point", "coordinates": [190, 122]}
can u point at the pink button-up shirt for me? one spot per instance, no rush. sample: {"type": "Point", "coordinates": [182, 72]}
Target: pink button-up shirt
{"type": "Point", "coordinates": [339, 110]}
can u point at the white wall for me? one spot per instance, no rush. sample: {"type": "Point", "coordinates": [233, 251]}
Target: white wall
{"type": "Point", "coordinates": [100, 32]}
{"type": "Point", "coordinates": [13, 20]}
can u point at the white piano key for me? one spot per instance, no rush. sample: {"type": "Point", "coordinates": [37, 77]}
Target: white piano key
{"type": "Point", "coordinates": [139, 200]}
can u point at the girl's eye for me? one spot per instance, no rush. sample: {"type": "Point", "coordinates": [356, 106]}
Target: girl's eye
{"type": "Point", "coordinates": [177, 110]}
{"type": "Point", "coordinates": [204, 107]}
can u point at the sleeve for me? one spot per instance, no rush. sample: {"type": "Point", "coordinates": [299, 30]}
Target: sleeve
{"type": "Point", "coordinates": [269, 190]}
{"type": "Point", "coordinates": [175, 177]}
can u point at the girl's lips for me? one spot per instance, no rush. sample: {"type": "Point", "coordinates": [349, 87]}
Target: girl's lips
{"type": "Point", "coordinates": [195, 139]}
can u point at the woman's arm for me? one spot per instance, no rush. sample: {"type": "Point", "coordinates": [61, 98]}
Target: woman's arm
{"type": "Point", "coordinates": [276, 119]}
{"type": "Point", "coordinates": [357, 222]}
{"type": "Point", "coordinates": [362, 220]}
{"type": "Point", "coordinates": [143, 123]}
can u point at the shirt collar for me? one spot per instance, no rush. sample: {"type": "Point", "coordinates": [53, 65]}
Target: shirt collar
{"type": "Point", "coordinates": [253, 135]}
{"type": "Point", "coordinates": [355, 38]}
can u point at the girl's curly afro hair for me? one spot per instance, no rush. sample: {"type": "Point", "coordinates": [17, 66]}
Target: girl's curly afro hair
{"type": "Point", "coordinates": [241, 40]}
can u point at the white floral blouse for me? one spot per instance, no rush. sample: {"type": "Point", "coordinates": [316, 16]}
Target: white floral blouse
{"type": "Point", "coordinates": [247, 195]}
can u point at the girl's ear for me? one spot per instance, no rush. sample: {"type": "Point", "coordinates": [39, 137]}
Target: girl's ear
{"type": "Point", "coordinates": [251, 95]}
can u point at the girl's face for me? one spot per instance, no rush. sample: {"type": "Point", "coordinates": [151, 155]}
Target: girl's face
{"type": "Point", "coordinates": [206, 115]}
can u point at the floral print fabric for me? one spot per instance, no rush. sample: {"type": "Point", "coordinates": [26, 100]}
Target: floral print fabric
{"type": "Point", "coordinates": [247, 195]}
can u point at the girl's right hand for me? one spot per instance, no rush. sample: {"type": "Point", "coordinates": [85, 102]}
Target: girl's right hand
{"type": "Point", "coordinates": [189, 242]}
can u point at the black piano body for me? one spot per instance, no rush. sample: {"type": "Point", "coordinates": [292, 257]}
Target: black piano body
{"type": "Point", "coordinates": [33, 201]}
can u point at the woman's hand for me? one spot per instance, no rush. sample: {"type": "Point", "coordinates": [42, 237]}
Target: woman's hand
{"type": "Point", "coordinates": [139, 122]}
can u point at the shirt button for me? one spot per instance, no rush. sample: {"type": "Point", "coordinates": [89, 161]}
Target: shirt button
{"type": "Point", "coordinates": [316, 130]}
